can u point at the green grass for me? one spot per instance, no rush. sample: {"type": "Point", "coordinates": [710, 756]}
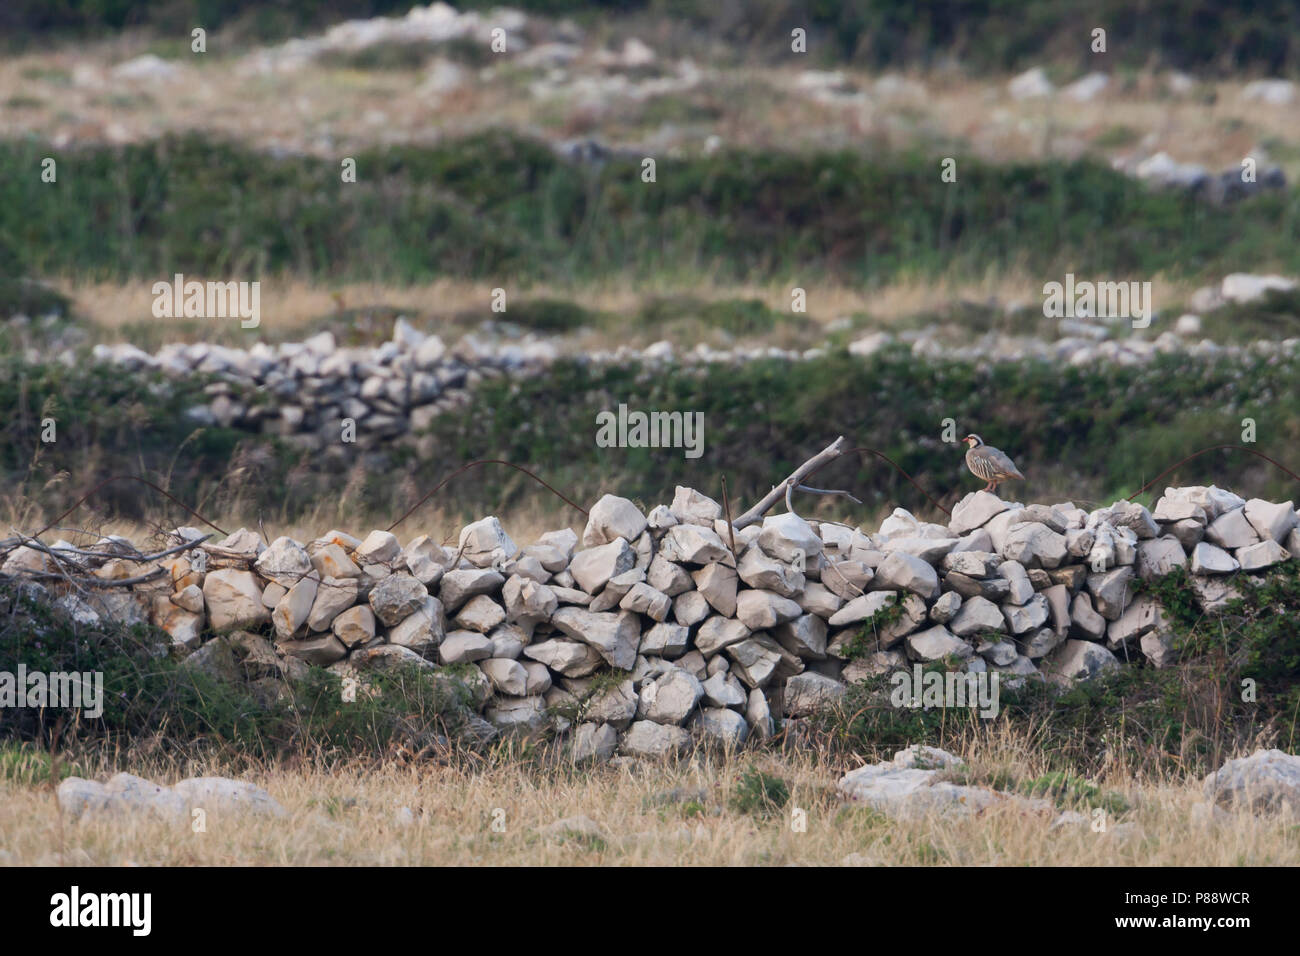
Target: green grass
{"type": "Point", "coordinates": [760, 793]}
{"type": "Point", "coordinates": [1090, 435]}
{"type": "Point", "coordinates": [25, 765]}
{"type": "Point", "coordinates": [865, 641]}
{"type": "Point", "coordinates": [495, 205]}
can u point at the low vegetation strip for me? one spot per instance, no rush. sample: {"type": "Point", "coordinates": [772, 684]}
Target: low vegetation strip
{"type": "Point", "coordinates": [495, 204]}
{"type": "Point", "coordinates": [1094, 433]}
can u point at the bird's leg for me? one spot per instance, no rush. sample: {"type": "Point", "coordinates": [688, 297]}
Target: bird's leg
{"type": "Point", "coordinates": [989, 486]}
{"type": "Point", "coordinates": [993, 487]}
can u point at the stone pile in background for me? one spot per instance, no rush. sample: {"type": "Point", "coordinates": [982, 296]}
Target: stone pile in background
{"type": "Point", "coordinates": [306, 391]}
{"type": "Point", "coordinates": [650, 632]}
{"type": "Point", "coordinates": [388, 392]}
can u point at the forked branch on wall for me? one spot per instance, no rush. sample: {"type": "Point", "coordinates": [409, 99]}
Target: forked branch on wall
{"type": "Point", "coordinates": [795, 483]}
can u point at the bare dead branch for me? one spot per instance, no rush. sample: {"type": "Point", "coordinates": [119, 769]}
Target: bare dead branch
{"type": "Point", "coordinates": [93, 582]}
{"type": "Point", "coordinates": [793, 482]}
{"type": "Point", "coordinates": [136, 558]}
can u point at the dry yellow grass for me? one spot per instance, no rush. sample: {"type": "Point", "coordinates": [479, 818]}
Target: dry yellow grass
{"type": "Point", "coordinates": [292, 307]}
{"type": "Point", "coordinates": [646, 814]}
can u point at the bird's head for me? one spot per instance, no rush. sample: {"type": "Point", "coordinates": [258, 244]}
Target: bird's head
{"type": "Point", "coordinates": [973, 440]}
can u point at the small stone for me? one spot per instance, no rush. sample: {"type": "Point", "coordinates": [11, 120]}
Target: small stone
{"type": "Point", "coordinates": [690, 608]}
{"type": "Point", "coordinates": [485, 542]}
{"type": "Point", "coordinates": [594, 743]}
{"type": "Point", "coordinates": [665, 640]}
{"type": "Point", "coordinates": [615, 636]}
{"type": "Point", "coordinates": [718, 584]}
{"type": "Point", "coordinates": [284, 562]}
{"type": "Point", "coordinates": [719, 632]}
{"type": "Point", "coordinates": [976, 616]}
{"type": "Point", "coordinates": [234, 600]}
{"type": "Point", "coordinates": [1231, 530]}
{"type": "Point", "coordinates": [1081, 660]}
{"type": "Point", "coordinates": [321, 650]}
{"type": "Point", "coordinates": [594, 567]}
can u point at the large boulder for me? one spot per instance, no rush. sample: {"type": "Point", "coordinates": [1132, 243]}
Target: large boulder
{"type": "Point", "coordinates": [645, 738]}
{"type": "Point", "coordinates": [1081, 660]}
{"type": "Point", "coordinates": [396, 597]}
{"type": "Point", "coordinates": [903, 572]}
{"type": "Point", "coordinates": [234, 600]}
{"type": "Point", "coordinates": [615, 636]}
{"type": "Point", "coordinates": [670, 698]}
{"type": "Point", "coordinates": [763, 610]}
{"type": "Point", "coordinates": [593, 568]}
{"type": "Point", "coordinates": [485, 542]}
{"type": "Point", "coordinates": [692, 544]}
{"type": "Point", "coordinates": [809, 693]}
{"type": "Point", "coordinates": [787, 536]}
{"type": "Point", "coordinates": [611, 518]}
{"type": "Point", "coordinates": [1268, 781]}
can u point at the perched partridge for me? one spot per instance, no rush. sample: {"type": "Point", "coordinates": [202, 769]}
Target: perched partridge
{"type": "Point", "coordinates": [989, 463]}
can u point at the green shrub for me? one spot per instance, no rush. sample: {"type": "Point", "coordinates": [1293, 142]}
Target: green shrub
{"type": "Point", "coordinates": [496, 203]}
{"type": "Point", "coordinates": [150, 696]}
{"type": "Point", "coordinates": [760, 793]}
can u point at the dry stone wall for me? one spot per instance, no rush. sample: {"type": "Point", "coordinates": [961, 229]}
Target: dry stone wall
{"type": "Point", "coordinates": [392, 391]}
{"type": "Point", "coordinates": [649, 632]}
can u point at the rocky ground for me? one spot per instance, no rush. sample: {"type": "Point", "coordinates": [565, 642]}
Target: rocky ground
{"type": "Point", "coordinates": [598, 92]}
